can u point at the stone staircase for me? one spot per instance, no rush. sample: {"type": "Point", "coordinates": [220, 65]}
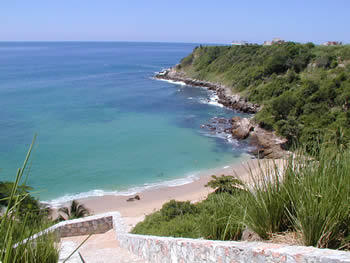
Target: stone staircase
{"type": "Point", "coordinates": [99, 248]}
{"type": "Point", "coordinates": [110, 242]}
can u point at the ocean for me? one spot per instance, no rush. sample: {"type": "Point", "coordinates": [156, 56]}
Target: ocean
{"type": "Point", "coordinates": [104, 125]}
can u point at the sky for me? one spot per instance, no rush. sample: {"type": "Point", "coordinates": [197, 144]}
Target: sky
{"type": "Point", "coordinates": [198, 21]}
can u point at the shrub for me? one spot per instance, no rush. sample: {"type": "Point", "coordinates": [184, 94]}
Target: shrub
{"type": "Point", "coordinates": [174, 208]}
{"type": "Point", "coordinates": [225, 184]}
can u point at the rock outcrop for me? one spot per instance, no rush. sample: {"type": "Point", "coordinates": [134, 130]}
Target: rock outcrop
{"type": "Point", "coordinates": [226, 97]}
{"type": "Point", "coordinates": [241, 128]}
{"type": "Point", "coordinates": [266, 144]}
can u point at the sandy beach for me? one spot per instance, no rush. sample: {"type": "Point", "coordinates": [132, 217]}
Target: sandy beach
{"type": "Point", "coordinates": [153, 199]}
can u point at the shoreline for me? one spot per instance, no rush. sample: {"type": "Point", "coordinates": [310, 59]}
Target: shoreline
{"type": "Point", "coordinates": [127, 192]}
{"type": "Point", "coordinates": [226, 97]}
{"type": "Point", "coordinates": [152, 200]}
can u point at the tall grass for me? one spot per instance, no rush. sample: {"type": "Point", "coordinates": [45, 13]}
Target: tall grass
{"type": "Point", "coordinates": [311, 196]}
{"type": "Point", "coordinates": [320, 197]}
{"type": "Point", "coordinates": [14, 229]}
{"type": "Point", "coordinates": [266, 202]}
{"type": "Point", "coordinates": [221, 217]}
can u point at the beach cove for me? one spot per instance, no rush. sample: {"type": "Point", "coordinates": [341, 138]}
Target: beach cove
{"type": "Point", "coordinates": [104, 125]}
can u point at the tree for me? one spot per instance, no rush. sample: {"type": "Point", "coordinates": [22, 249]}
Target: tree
{"type": "Point", "coordinates": [28, 206]}
{"type": "Point", "coordinates": [225, 184]}
{"type": "Point", "coordinates": [75, 210]}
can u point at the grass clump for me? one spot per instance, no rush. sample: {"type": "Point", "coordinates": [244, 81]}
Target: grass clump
{"type": "Point", "coordinates": [266, 202]}
{"type": "Point", "coordinates": [221, 217]}
{"type": "Point", "coordinates": [320, 198]}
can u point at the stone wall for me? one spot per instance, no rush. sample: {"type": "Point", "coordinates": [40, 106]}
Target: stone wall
{"type": "Point", "coordinates": [165, 249]}
{"type": "Point", "coordinates": [168, 249]}
{"type": "Point", "coordinates": [86, 226]}
{"type": "Point", "coordinates": [96, 224]}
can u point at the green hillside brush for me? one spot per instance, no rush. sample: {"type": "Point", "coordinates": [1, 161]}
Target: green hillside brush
{"type": "Point", "coordinates": [304, 89]}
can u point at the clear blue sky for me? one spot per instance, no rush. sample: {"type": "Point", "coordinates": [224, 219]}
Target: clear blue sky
{"type": "Point", "coordinates": [175, 21]}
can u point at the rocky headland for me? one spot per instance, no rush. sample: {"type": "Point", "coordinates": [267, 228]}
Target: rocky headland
{"type": "Point", "coordinates": [266, 144]}
{"type": "Point", "coordinates": [226, 97]}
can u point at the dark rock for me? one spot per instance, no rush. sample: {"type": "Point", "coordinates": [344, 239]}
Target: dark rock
{"type": "Point", "coordinates": [249, 235]}
{"type": "Point", "coordinates": [222, 120]}
{"type": "Point", "coordinates": [131, 199]}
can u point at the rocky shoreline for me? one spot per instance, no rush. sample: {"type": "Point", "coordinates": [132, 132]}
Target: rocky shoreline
{"type": "Point", "coordinates": [266, 144]}
{"type": "Point", "coordinates": [226, 97]}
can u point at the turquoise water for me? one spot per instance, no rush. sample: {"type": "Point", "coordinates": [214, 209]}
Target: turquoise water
{"type": "Point", "coordinates": [103, 124]}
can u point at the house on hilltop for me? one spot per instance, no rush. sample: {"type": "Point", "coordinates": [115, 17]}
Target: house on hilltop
{"type": "Point", "coordinates": [332, 43]}
{"type": "Point", "coordinates": [275, 40]}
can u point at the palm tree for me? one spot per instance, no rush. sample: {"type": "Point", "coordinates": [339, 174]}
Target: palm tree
{"type": "Point", "coordinates": [75, 210]}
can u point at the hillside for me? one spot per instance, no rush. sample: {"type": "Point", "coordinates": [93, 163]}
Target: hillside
{"type": "Point", "coordinates": [304, 89]}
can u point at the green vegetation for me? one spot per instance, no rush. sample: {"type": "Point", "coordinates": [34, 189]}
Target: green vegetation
{"type": "Point", "coordinates": [21, 217]}
{"type": "Point", "coordinates": [28, 207]}
{"type": "Point", "coordinates": [211, 219]}
{"type": "Point", "coordinates": [75, 210]}
{"type": "Point", "coordinates": [305, 89]}
{"type": "Point", "coordinates": [310, 197]}
{"type": "Point", "coordinates": [225, 184]}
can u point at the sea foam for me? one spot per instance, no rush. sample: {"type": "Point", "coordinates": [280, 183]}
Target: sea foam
{"type": "Point", "coordinates": [212, 100]}
{"type": "Point", "coordinates": [58, 202]}
{"type": "Point", "coordinates": [174, 82]}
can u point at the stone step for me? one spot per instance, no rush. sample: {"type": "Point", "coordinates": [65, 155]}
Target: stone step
{"type": "Point", "coordinates": [99, 248]}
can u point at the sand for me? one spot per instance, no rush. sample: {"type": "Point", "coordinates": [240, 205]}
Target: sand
{"type": "Point", "coordinates": [153, 199]}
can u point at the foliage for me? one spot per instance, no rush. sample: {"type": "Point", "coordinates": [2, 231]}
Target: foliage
{"type": "Point", "coordinates": [17, 224]}
{"type": "Point", "coordinates": [174, 208]}
{"type": "Point", "coordinates": [29, 206]}
{"type": "Point", "coordinates": [75, 210]}
{"type": "Point", "coordinates": [304, 88]}
{"type": "Point", "coordinates": [213, 218]}
{"type": "Point", "coordinates": [179, 226]}
{"type": "Point", "coordinates": [225, 184]}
